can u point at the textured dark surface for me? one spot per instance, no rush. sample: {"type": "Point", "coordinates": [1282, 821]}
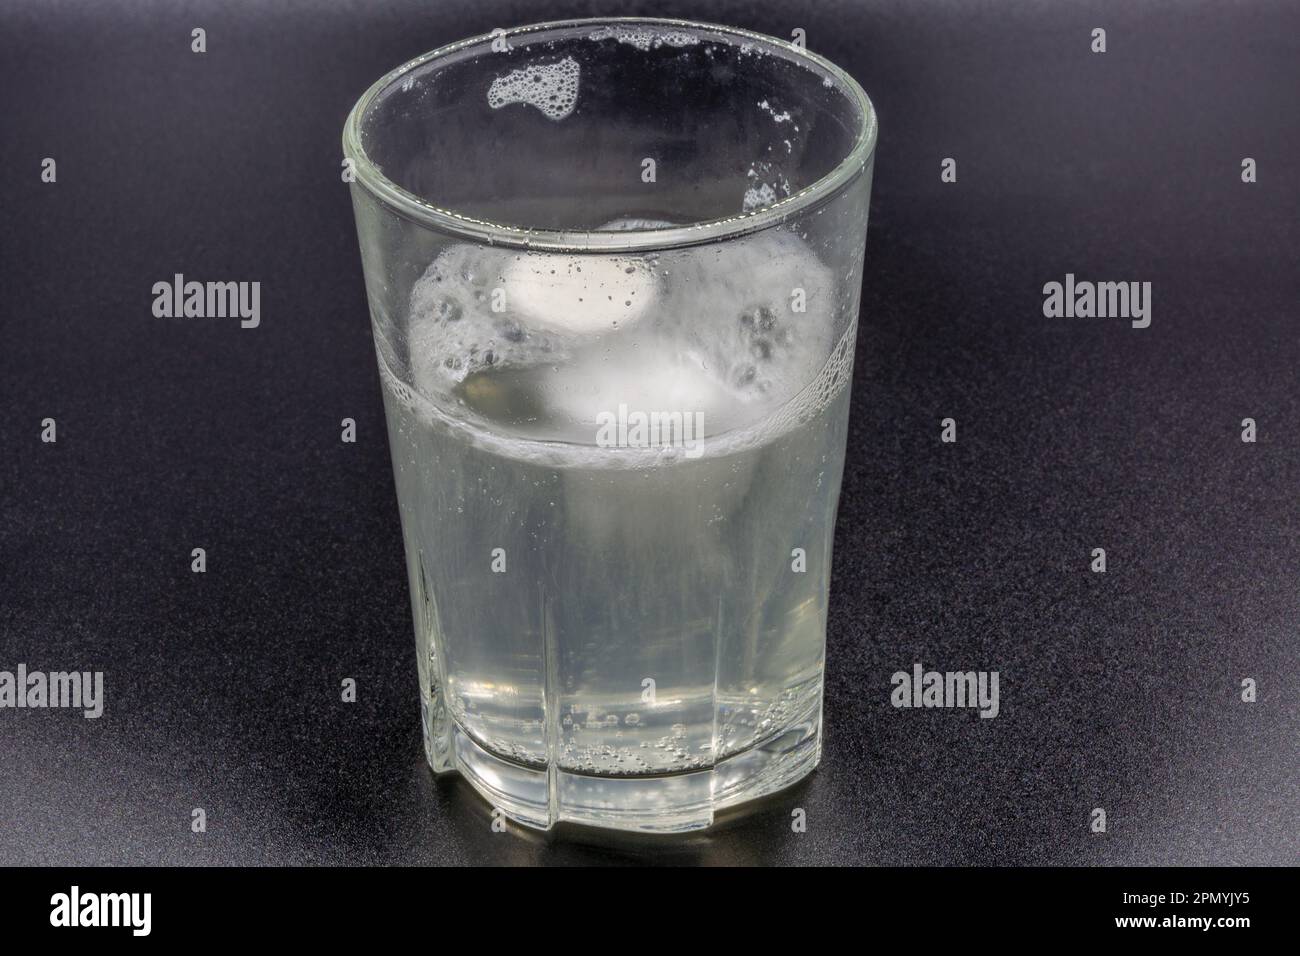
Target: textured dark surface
{"type": "Point", "coordinates": [1118, 690]}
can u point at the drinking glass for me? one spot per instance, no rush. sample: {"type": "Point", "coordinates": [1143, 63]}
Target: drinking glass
{"type": "Point", "coordinates": [613, 269]}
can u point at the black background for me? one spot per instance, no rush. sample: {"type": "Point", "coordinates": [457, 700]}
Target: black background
{"type": "Point", "coordinates": [1118, 690]}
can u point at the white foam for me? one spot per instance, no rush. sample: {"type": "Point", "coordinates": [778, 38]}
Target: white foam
{"type": "Point", "coordinates": [768, 185]}
{"type": "Point", "coordinates": [643, 38]}
{"type": "Point", "coordinates": [814, 398]}
{"type": "Point", "coordinates": [453, 330]}
{"type": "Point", "coordinates": [758, 197]}
{"type": "Point", "coordinates": [550, 87]}
{"type": "Point", "coordinates": [720, 333]}
{"type": "Point", "coordinates": [735, 305]}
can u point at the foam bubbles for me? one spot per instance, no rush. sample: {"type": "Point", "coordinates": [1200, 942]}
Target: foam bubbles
{"type": "Point", "coordinates": [754, 340]}
{"type": "Point", "coordinates": [479, 308]}
{"type": "Point", "coordinates": [644, 39]}
{"type": "Point", "coordinates": [758, 197]}
{"type": "Point", "coordinates": [721, 334]}
{"type": "Point", "coordinates": [550, 87]}
{"type": "Point", "coordinates": [768, 185]}
{"type": "Point", "coordinates": [454, 331]}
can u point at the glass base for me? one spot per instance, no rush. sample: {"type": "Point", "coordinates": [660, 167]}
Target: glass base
{"type": "Point", "coordinates": [540, 797]}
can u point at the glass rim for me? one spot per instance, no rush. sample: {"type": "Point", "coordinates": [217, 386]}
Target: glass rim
{"type": "Point", "coordinates": [446, 220]}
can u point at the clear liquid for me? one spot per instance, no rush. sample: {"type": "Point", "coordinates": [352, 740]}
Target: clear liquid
{"type": "Point", "coordinates": [617, 611]}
